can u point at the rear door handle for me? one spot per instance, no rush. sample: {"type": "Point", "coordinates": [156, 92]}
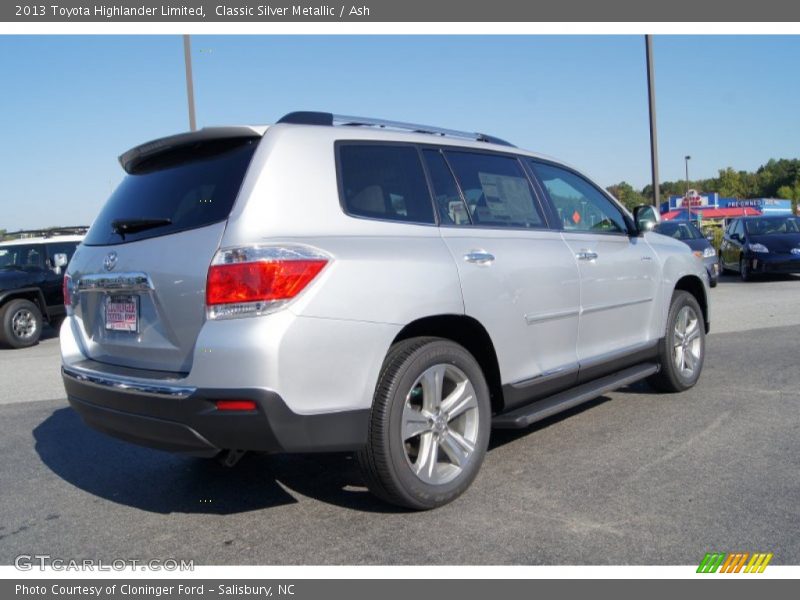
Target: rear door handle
{"type": "Point", "coordinates": [479, 257]}
{"type": "Point", "coordinates": [586, 255]}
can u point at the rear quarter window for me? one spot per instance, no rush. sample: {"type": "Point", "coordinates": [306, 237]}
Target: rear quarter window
{"type": "Point", "coordinates": [384, 182]}
{"type": "Point", "coordinates": [190, 187]}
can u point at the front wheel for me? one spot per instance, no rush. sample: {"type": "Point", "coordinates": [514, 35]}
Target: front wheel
{"type": "Point", "coordinates": [682, 351]}
{"type": "Point", "coordinates": [744, 269]}
{"type": "Point", "coordinates": [429, 427]}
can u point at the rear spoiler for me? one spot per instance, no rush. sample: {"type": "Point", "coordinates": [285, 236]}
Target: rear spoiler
{"type": "Point", "coordinates": [134, 157]}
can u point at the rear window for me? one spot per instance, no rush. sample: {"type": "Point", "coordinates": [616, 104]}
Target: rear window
{"type": "Point", "coordinates": [185, 188]}
{"type": "Point", "coordinates": [680, 231]}
{"type": "Point", "coordinates": [384, 182]}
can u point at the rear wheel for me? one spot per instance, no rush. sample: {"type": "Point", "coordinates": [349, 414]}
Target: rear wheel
{"type": "Point", "coordinates": [429, 427]}
{"type": "Point", "coordinates": [682, 351]}
{"type": "Point", "coordinates": [20, 323]}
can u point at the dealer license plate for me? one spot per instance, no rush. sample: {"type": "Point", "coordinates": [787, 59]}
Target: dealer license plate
{"type": "Point", "coordinates": [122, 313]}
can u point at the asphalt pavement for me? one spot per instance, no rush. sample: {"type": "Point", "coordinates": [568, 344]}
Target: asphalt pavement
{"type": "Point", "coordinates": [631, 478]}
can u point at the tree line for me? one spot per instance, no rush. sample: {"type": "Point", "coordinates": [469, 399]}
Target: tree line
{"type": "Point", "coordinates": [775, 179]}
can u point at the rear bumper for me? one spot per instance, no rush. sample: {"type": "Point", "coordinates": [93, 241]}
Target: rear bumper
{"type": "Point", "coordinates": [186, 420]}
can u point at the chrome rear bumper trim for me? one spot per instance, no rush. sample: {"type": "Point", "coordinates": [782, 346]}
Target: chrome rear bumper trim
{"type": "Point", "coordinates": [134, 282]}
{"type": "Point", "coordinates": [130, 385]}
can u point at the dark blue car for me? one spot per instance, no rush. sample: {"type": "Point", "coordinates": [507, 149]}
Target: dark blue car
{"type": "Point", "coordinates": [760, 245]}
{"type": "Point", "coordinates": [689, 234]}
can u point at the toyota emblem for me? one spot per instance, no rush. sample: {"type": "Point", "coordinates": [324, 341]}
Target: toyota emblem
{"type": "Point", "coordinates": [110, 261]}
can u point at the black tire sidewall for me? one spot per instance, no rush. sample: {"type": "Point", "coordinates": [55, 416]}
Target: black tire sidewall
{"type": "Point", "coordinates": [680, 300]}
{"type": "Point", "coordinates": [744, 270]}
{"type": "Point", "coordinates": [419, 493]}
{"type": "Point", "coordinates": [7, 316]}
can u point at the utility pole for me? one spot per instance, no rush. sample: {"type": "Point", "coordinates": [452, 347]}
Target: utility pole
{"type": "Point", "coordinates": [651, 94]}
{"type": "Point", "coordinates": [187, 57]}
{"type": "Point", "coordinates": [687, 158]}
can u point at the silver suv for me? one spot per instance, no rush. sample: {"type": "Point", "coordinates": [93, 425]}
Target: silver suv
{"type": "Point", "coordinates": [338, 283]}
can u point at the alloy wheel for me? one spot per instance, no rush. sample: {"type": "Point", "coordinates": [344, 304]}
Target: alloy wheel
{"type": "Point", "coordinates": [687, 345]}
{"type": "Point", "coordinates": [440, 424]}
{"type": "Point", "coordinates": [23, 324]}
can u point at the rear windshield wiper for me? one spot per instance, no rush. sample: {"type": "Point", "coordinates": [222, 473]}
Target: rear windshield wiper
{"type": "Point", "coordinates": [124, 226]}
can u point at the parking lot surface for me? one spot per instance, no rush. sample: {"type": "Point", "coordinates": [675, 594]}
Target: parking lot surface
{"type": "Point", "coordinates": [631, 478]}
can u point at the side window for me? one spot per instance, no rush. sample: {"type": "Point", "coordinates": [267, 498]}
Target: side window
{"type": "Point", "coordinates": [67, 248]}
{"type": "Point", "coordinates": [496, 190]}
{"type": "Point", "coordinates": [452, 210]}
{"type": "Point", "coordinates": [739, 228]}
{"type": "Point", "coordinates": [384, 182]}
{"type": "Point", "coordinates": [580, 205]}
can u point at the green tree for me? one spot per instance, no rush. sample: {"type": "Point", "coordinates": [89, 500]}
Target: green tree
{"type": "Point", "coordinates": [792, 193]}
{"type": "Point", "coordinates": [730, 184]}
{"type": "Point", "coordinates": [625, 193]}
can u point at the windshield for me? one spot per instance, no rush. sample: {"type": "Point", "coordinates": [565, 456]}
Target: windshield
{"type": "Point", "coordinates": [770, 225]}
{"type": "Point", "coordinates": [29, 256]}
{"type": "Point", "coordinates": [680, 231]}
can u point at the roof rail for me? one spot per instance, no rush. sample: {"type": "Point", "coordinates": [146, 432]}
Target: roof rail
{"type": "Point", "coordinates": [47, 232]}
{"type": "Point", "coordinates": [330, 119]}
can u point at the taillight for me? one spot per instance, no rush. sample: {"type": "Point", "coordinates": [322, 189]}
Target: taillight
{"type": "Point", "coordinates": [66, 288]}
{"type": "Point", "coordinates": [256, 280]}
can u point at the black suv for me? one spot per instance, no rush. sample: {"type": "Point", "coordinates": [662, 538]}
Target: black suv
{"type": "Point", "coordinates": [31, 282]}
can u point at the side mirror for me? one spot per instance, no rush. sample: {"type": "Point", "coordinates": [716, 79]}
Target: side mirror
{"type": "Point", "coordinates": [735, 236]}
{"type": "Point", "coordinates": [710, 237]}
{"type": "Point", "coordinates": [646, 217]}
{"type": "Point", "coordinates": [60, 260]}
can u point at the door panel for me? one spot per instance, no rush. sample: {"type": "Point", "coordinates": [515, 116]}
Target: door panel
{"type": "Point", "coordinates": [527, 298]}
{"type": "Point", "coordinates": [518, 278]}
{"type": "Point", "coordinates": [619, 274]}
{"type": "Point", "coordinates": [618, 294]}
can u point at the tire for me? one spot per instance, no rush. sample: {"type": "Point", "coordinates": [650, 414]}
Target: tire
{"type": "Point", "coordinates": [722, 268]}
{"type": "Point", "coordinates": [20, 324]}
{"type": "Point", "coordinates": [414, 447]}
{"type": "Point", "coordinates": [680, 370]}
{"type": "Point", "coordinates": [744, 269]}
{"type": "Point", "coordinates": [713, 282]}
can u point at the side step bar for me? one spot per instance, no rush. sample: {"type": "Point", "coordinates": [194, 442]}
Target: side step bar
{"type": "Point", "coordinates": [541, 409]}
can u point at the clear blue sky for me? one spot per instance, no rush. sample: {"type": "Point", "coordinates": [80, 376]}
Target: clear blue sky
{"type": "Point", "coordinates": [71, 104]}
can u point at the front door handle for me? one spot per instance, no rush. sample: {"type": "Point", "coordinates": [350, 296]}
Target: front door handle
{"type": "Point", "coordinates": [586, 255]}
{"type": "Point", "coordinates": [479, 257]}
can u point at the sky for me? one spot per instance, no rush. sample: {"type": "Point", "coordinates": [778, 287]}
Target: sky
{"type": "Point", "coordinates": [71, 104]}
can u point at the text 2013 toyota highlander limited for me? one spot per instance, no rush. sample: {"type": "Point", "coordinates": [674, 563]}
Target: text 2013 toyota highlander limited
{"type": "Point", "coordinates": [345, 284]}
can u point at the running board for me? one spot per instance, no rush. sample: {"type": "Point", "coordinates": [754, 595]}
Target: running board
{"type": "Point", "coordinates": [541, 409]}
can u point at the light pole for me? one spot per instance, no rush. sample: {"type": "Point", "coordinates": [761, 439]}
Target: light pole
{"type": "Point", "coordinates": [651, 95]}
{"type": "Point", "coordinates": [187, 58]}
{"type": "Point", "coordinates": [687, 159]}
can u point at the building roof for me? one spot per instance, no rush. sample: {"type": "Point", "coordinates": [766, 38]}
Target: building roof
{"type": "Point", "coordinates": [712, 213]}
{"type": "Point", "coordinates": [42, 240]}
